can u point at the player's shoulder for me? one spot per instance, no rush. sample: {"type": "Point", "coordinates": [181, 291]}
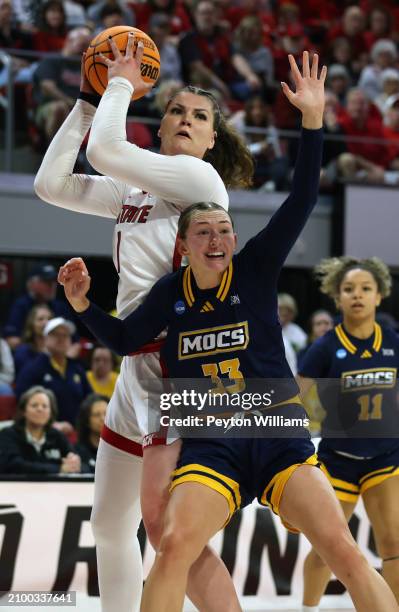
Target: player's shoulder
{"type": "Point", "coordinates": [326, 342]}
{"type": "Point", "coordinates": [390, 335]}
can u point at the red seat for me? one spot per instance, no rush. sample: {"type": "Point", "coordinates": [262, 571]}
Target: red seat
{"type": "Point", "coordinates": [8, 407]}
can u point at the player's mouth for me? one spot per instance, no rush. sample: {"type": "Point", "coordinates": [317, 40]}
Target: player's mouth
{"type": "Point", "coordinates": [357, 306]}
{"type": "Point", "coordinates": [184, 134]}
{"type": "Point", "coordinates": [215, 255]}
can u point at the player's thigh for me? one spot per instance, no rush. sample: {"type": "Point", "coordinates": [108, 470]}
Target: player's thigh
{"type": "Point", "coordinates": [309, 504]}
{"type": "Point", "coordinates": [195, 513]}
{"type": "Point", "coordinates": [382, 507]}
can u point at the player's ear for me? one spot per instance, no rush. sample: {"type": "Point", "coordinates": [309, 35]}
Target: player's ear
{"type": "Point", "coordinates": [378, 300]}
{"type": "Point", "coordinates": [235, 241]}
{"type": "Point", "coordinates": [181, 246]}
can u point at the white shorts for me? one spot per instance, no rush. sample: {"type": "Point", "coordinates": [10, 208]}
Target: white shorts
{"type": "Point", "coordinates": [131, 419]}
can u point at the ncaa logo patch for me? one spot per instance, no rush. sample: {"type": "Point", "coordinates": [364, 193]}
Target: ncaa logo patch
{"type": "Point", "coordinates": [341, 353]}
{"type": "Point", "coordinates": [180, 307]}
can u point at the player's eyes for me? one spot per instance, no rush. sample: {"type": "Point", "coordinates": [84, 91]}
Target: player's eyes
{"type": "Point", "coordinates": [175, 110]}
{"type": "Point", "coordinates": [201, 116]}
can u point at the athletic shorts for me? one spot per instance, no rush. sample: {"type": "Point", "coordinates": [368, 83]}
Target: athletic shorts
{"type": "Point", "coordinates": [129, 423]}
{"type": "Point", "coordinates": [352, 477]}
{"type": "Point", "coordinates": [242, 469]}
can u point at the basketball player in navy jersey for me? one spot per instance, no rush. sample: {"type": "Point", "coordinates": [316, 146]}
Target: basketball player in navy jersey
{"type": "Point", "coordinates": [361, 408]}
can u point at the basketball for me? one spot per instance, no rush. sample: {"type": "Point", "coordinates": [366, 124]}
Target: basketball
{"type": "Point", "coordinates": [97, 72]}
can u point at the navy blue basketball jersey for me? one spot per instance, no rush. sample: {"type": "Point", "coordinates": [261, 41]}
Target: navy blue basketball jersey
{"type": "Point", "coordinates": [360, 393]}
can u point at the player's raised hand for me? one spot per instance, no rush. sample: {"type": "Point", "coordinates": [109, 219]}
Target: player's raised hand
{"type": "Point", "coordinates": [74, 277]}
{"type": "Point", "coordinates": [128, 65]}
{"type": "Point", "coordinates": [309, 90]}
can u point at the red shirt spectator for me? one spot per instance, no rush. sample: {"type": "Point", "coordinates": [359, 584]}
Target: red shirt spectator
{"type": "Point", "coordinates": [379, 26]}
{"type": "Point", "coordinates": [180, 19]}
{"type": "Point", "coordinates": [51, 27]}
{"type": "Point", "coordinates": [362, 119]}
{"type": "Point", "coordinates": [352, 27]}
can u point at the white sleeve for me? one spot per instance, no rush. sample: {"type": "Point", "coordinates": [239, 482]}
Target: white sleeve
{"type": "Point", "coordinates": [7, 370]}
{"type": "Point", "coordinates": [180, 179]}
{"type": "Point", "coordinates": [55, 182]}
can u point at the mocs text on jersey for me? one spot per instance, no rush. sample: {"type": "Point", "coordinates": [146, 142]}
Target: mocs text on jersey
{"type": "Point", "coordinates": [213, 340]}
{"type": "Point", "coordinates": [376, 378]}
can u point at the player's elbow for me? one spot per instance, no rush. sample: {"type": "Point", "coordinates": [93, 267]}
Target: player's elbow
{"type": "Point", "coordinates": [40, 186]}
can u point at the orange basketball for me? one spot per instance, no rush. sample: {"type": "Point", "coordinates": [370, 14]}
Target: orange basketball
{"type": "Point", "coordinates": [97, 72]}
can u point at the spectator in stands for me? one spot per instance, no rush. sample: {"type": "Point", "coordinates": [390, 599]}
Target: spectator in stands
{"type": "Point", "coordinates": [351, 27]}
{"type": "Point", "coordinates": [111, 15]}
{"type": "Point", "coordinates": [383, 55]}
{"type": "Point", "coordinates": [102, 376]}
{"type": "Point", "coordinates": [363, 119]}
{"type": "Point", "coordinates": [379, 25]}
{"type": "Point", "coordinates": [95, 12]}
{"type": "Point", "coordinates": [89, 425]}
{"type": "Point", "coordinates": [7, 370]}
{"type": "Point", "coordinates": [287, 312]}
{"type": "Point", "coordinates": [13, 36]}
{"type": "Point", "coordinates": [320, 322]}
{"type": "Point", "coordinates": [57, 81]}
{"type": "Point", "coordinates": [179, 15]}
{"type": "Point", "coordinates": [338, 81]}
{"type": "Point", "coordinates": [56, 371]}
{"type": "Point", "coordinates": [248, 41]}
{"type": "Point", "coordinates": [41, 288]}
{"type": "Point", "coordinates": [32, 338]}
{"type": "Point", "coordinates": [233, 13]}
{"type": "Point", "coordinates": [52, 29]}
{"type": "Point", "coordinates": [391, 129]}
{"type": "Point", "coordinates": [32, 445]}
{"type": "Point", "coordinates": [293, 40]}
{"type": "Point", "coordinates": [342, 53]}
{"type": "Point", "coordinates": [159, 28]}
{"type": "Point", "coordinates": [332, 149]}
{"type": "Point", "coordinates": [390, 87]}
{"type": "Point", "coordinates": [207, 51]}
{"type": "Point", "coordinates": [271, 166]}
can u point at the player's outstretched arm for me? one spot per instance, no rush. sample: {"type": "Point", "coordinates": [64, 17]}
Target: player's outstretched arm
{"type": "Point", "coordinates": [121, 336]}
{"type": "Point", "coordinates": [55, 182]}
{"type": "Point", "coordinates": [279, 236]}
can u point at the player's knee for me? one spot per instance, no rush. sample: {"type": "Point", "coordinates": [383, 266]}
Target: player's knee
{"type": "Point", "coordinates": [344, 556]}
{"type": "Point", "coordinates": [179, 546]}
{"type": "Point", "coordinates": [153, 524]}
{"type": "Point", "coordinates": [388, 543]}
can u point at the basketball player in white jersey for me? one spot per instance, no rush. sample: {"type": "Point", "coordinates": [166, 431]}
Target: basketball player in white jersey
{"type": "Point", "coordinates": [145, 193]}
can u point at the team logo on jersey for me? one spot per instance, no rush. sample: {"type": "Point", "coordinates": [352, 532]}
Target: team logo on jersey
{"type": "Point", "coordinates": [366, 354]}
{"type": "Point", "coordinates": [221, 339]}
{"type": "Point", "coordinates": [234, 299]}
{"type": "Point", "coordinates": [180, 307]}
{"type": "Point", "coordinates": [388, 352]}
{"type": "Point", "coordinates": [341, 353]}
{"type": "Point", "coordinates": [375, 378]}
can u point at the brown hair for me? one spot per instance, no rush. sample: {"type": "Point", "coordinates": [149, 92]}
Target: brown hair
{"type": "Point", "coordinates": [188, 213]}
{"type": "Point", "coordinates": [28, 335]}
{"type": "Point", "coordinates": [331, 273]}
{"type": "Point", "coordinates": [27, 396]}
{"type": "Point", "coordinates": [83, 420]}
{"type": "Point", "coordinates": [230, 156]}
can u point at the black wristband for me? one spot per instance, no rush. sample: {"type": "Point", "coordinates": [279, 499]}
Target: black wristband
{"type": "Point", "coordinates": [91, 98]}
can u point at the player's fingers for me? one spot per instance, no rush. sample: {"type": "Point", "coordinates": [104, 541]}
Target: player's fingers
{"type": "Point", "coordinates": [287, 91]}
{"type": "Point", "coordinates": [114, 48]}
{"type": "Point", "coordinates": [305, 64]}
{"type": "Point", "coordinates": [129, 46]}
{"type": "Point", "coordinates": [323, 74]}
{"type": "Point", "coordinates": [107, 61]}
{"type": "Point", "coordinates": [139, 52]}
{"type": "Point", "coordinates": [315, 66]}
{"type": "Point", "coordinates": [294, 69]}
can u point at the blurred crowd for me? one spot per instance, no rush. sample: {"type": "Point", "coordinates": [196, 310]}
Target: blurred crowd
{"type": "Point", "coordinates": [238, 49]}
